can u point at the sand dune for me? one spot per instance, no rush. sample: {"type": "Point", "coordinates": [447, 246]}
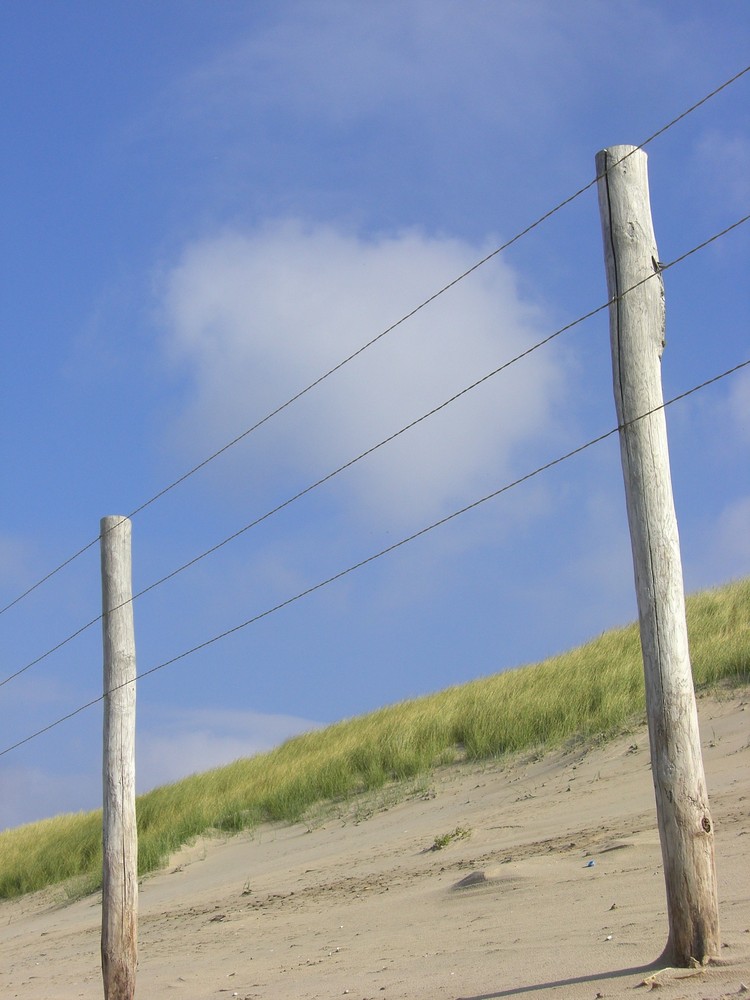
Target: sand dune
{"type": "Point", "coordinates": [357, 902]}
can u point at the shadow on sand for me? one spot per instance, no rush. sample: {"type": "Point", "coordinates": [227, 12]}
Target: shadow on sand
{"type": "Point", "coordinates": [575, 981]}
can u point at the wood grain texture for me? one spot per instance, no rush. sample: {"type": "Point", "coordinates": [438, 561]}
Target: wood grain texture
{"type": "Point", "coordinates": [637, 334]}
{"type": "Point", "coordinates": [120, 838]}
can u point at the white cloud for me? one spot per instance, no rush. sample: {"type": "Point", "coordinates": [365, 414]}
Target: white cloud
{"type": "Point", "coordinates": [177, 742]}
{"type": "Point", "coordinates": [730, 551]}
{"type": "Point", "coordinates": [171, 744]}
{"type": "Point", "coordinates": [253, 318]}
{"type": "Point", "coordinates": [15, 563]}
{"type": "Point", "coordinates": [342, 64]}
{"type": "Point", "coordinates": [739, 405]}
{"type": "Point", "coordinates": [28, 794]}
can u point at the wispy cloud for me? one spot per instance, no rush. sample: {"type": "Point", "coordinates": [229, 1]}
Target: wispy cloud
{"type": "Point", "coordinates": [739, 406]}
{"type": "Point", "coordinates": [733, 537]}
{"type": "Point", "coordinates": [342, 64]}
{"type": "Point", "coordinates": [14, 557]}
{"type": "Point", "coordinates": [30, 793]}
{"type": "Point", "coordinates": [171, 744]}
{"type": "Point", "coordinates": [724, 549]}
{"type": "Point", "coordinates": [174, 743]}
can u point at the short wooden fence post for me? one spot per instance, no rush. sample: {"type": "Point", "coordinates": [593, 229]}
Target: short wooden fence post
{"type": "Point", "coordinates": [120, 838]}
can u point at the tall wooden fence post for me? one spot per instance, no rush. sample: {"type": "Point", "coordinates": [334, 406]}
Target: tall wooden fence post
{"type": "Point", "coordinates": [637, 325]}
{"type": "Point", "coordinates": [120, 838]}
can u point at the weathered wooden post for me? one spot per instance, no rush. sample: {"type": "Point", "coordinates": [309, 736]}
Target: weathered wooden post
{"type": "Point", "coordinates": [120, 838]}
{"type": "Point", "coordinates": [637, 325]}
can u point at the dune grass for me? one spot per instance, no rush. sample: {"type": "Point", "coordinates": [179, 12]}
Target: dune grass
{"type": "Point", "coordinates": [596, 689]}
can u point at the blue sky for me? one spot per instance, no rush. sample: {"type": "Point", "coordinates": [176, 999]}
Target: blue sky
{"type": "Point", "coordinates": [205, 207]}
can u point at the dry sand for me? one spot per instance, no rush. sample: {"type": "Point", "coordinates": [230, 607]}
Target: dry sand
{"type": "Point", "coordinates": [356, 903]}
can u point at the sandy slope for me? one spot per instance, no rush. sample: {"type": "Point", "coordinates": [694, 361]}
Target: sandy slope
{"type": "Point", "coordinates": [358, 904]}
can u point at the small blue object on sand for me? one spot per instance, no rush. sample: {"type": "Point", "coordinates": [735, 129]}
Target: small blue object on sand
{"type": "Point", "coordinates": [590, 864]}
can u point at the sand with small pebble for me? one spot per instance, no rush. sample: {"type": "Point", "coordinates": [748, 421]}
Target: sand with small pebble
{"type": "Point", "coordinates": [548, 884]}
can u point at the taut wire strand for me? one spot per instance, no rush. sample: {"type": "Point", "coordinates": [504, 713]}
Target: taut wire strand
{"type": "Point", "coordinates": [391, 548]}
{"type": "Point", "coordinates": [308, 489]}
{"type": "Point", "coordinates": [370, 343]}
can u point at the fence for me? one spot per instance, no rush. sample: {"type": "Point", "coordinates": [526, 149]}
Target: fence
{"type": "Point", "coordinates": [655, 277]}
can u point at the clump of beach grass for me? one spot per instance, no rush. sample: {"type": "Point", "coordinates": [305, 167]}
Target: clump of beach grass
{"type": "Point", "coordinates": [592, 691]}
{"type": "Point", "coordinates": [444, 839]}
